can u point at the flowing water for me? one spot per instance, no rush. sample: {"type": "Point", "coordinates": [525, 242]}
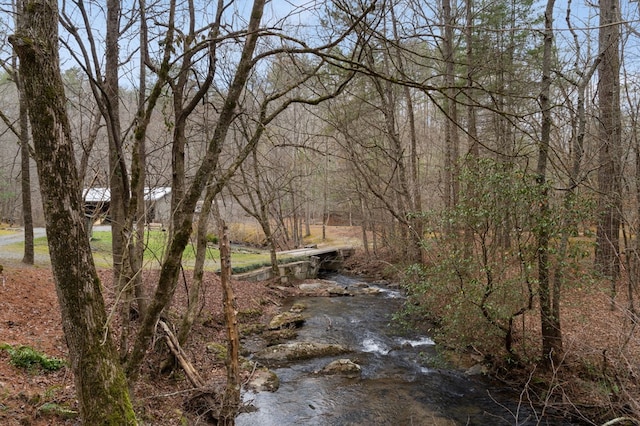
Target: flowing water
{"type": "Point", "coordinates": [395, 387]}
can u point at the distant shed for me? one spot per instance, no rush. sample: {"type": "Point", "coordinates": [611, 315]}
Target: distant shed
{"type": "Point", "coordinates": [157, 199]}
{"type": "Point", "coordinates": [96, 202]}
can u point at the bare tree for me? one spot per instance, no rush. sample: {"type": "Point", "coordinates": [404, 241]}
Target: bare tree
{"type": "Point", "coordinates": [609, 173]}
{"type": "Point", "coordinates": [22, 133]}
{"type": "Point", "coordinates": [104, 85]}
{"type": "Point", "coordinates": [452, 147]}
{"type": "Point", "coordinates": [549, 299]}
{"type": "Point", "coordinates": [183, 215]}
{"type": "Point", "coordinates": [254, 194]}
{"type": "Point", "coordinates": [101, 386]}
{"type": "Point", "coordinates": [25, 178]}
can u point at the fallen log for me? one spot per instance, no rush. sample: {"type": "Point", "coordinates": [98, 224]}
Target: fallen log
{"type": "Point", "coordinates": [205, 401]}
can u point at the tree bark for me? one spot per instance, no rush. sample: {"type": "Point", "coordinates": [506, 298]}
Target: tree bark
{"type": "Point", "coordinates": [137, 215]}
{"type": "Point", "coordinates": [118, 175]}
{"type": "Point", "coordinates": [549, 301]}
{"type": "Point", "coordinates": [609, 174]}
{"type": "Point", "coordinates": [25, 181]}
{"type": "Point", "coordinates": [451, 109]}
{"type": "Point", "coordinates": [195, 291]}
{"type": "Point", "coordinates": [231, 400]}
{"type": "Point", "coordinates": [183, 218]}
{"type": "Point", "coordinates": [101, 386]}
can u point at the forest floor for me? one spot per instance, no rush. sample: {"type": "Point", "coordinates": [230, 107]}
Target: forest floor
{"type": "Point", "coordinates": [599, 374]}
{"type": "Point", "coordinates": [30, 316]}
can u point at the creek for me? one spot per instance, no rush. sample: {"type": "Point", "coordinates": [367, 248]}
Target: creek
{"type": "Point", "coordinates": [402, 381]}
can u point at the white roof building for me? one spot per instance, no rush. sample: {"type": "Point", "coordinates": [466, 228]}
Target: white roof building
{"type": "Point", "coordinates": [102, 195]}
{"type": "Point", "coordinates": [157, 198]}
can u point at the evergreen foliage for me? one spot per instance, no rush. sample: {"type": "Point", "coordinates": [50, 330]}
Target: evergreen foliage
{"type": "Point", "coordinates": [480, 276]}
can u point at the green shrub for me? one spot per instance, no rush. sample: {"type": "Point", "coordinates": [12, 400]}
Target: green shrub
{"type": "Point", "coordinates": [480, 270]}
{"type": "Point", "coordinates": [28, 358]}
{"type": "Point", "coordinates": [54, 409]}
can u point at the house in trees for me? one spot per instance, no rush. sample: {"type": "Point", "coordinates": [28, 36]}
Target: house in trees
{"type": "Point", "coordinates": [96, 203]}
{"type": "Point", "coordinates": [157, 203]}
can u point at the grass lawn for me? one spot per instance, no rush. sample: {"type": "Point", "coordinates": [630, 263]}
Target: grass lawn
{"type": "Point", "coordinates": [242, 259]}
{"type": "Point", "coordinates": [156, 244]}
{"type": "Point", "coordinates": [154, 252]}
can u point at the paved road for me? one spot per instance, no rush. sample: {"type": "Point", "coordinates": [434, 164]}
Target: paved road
{"type": "Point", "coordinates": [18, 236]}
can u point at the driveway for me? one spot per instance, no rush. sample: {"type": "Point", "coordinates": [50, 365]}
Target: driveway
{"type": "Point", "coordinates": [18, 236]}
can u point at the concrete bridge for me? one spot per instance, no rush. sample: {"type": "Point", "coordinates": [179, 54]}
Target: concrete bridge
{"type": "Point", "coordinates": [330, 258]}
{"type": "Point", "coordinates": [306, 263]}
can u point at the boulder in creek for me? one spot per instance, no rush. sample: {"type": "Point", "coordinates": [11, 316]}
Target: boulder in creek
{"type": "Point", "coordinates": [323, 288]}
{"type": "Point", "coordinates": [368, 290]}
{"type": "Point", "coordinates": [261, 380]}
{"type": "Point", "coordinates": [298, 307]}
{"type": "Point", "coordinates": [294, 351]}
{"type": "Point", "coordinates": [338, 291]}
{"type": "Point", "coordinates": [344, 367]}
{"type": "Point", "coordinates": [286, 320]}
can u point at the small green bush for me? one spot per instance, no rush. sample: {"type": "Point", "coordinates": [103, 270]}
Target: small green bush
{"type": "Point", "coordinates": [54, 409]}
{"type": "Point", "coordinates": [28, 358]}
{"type": "Point", "coordinates": [249, 314]}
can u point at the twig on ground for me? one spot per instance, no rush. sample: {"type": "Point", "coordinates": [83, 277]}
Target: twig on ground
{"type": "Point", "coordinates": [620, 420]}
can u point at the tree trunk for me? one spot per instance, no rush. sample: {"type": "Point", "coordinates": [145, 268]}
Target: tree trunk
{"type": "Point", "coordinates": [473, 147]}
{"type": "Point", "coordinates": [118, 178]}
{"type": "Point", "coordinates": [549, 300]}
{"type": "Point", "coordinates": [180, 236]}
{"type": "Point", "coordinates": [137, 215]}
{"type": "Point", "coordinates": [101, 386]}
{"type": "Point", "coordinates": [451, 110]}
{"type": "Point", "coordinates": [25, 181]}
{"type": "Point", "coordinates": [364, 225]}
{"type": "Point", "coordinates": [609, 178]}
{"type": "Point", "coordinates": [416, 227]}
{"type": "Point", "coordinates": [472, 132]}
{"type": "Point", "coordinates": [118, 175]}
{"type": "Point", "coordinates": [325, 195]}
{"type": "Point", "coordinates": [25, 171]}
{"type": "Point", "coordinates": [198, 269]}
{"type": "Point", "coordinates": [231, 400]}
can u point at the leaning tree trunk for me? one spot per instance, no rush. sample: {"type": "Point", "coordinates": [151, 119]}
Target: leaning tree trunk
{"type": "Point", "coordinates": [195, 296]}
{"type": "Point", "coordinates": [101, 386]}
{"type": "Point", "coordinates": [180, 236]}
